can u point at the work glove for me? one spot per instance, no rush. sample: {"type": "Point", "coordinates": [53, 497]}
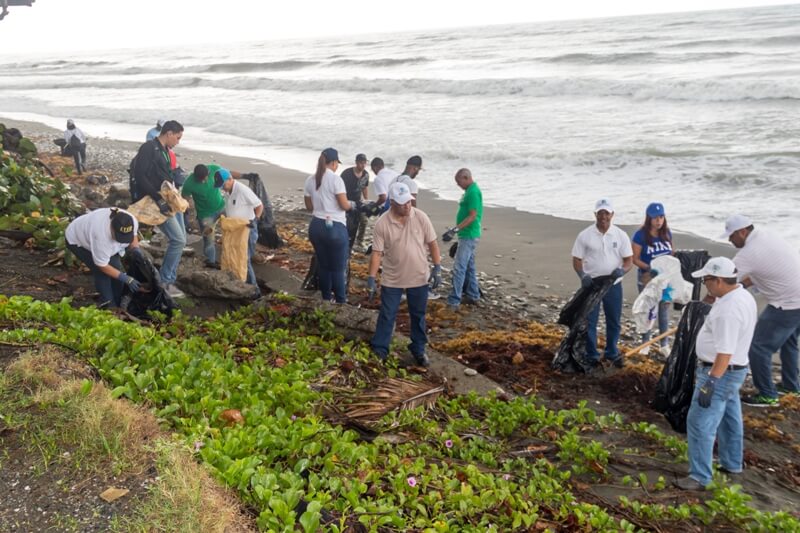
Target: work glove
{"type": "Point", "coordinates": [436, 277]}
{"type": "Point", "coordinates": [706, 392]}
{"type": "Point", "coordinates": [617, 273]}
{"type": "Point", "coordinates": [353, 206]}
{"type": "Point", "coordinates": [132, 283]}
{"type": "Point", "coordinates": [449, 234]}
{"type": "Point", "coordinates": [653, 273]}
{"type": "Point", "coordinates": [373, 288]}
{"type": "Point", "coordinates": [586, 280]}
{"type": "Point", "coordinates": [164, 207]}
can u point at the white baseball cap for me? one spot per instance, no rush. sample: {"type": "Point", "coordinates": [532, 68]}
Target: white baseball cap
{"type": "Point", "coordinates": [719, 267]}
{"type": "Point", "coordinates": [735, 223]}
{"type": "Point", "coordinates": [400, 194]}
{"type": "Point", "coordinates": [603, 204]}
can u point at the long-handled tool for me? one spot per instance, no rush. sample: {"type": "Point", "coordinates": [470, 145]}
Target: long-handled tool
{"type": "Point", "coordinates": [651, 341]}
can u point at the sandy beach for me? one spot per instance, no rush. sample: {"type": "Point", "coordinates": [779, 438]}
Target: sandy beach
{"type": "Point", "coordinates": [528, 254]}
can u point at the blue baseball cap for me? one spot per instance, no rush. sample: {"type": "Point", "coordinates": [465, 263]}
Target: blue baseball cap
{"type": "Point", "coordinates": [655, 209]}
{"type": "Point", "coordinates": [221, 176]}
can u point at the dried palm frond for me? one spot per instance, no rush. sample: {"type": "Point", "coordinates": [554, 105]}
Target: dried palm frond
{"type": "Point", "coordinates": [391, 394]}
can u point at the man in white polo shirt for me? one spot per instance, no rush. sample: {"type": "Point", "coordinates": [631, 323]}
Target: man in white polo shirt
{"type": "Point", "coordinates": [603, 249]}
{"type": "Point", "coordinates": [721, 348]}
{"type": "Point", "coordinates": [771, 265]}
{"type": "Point", "coordinates": [242, 202]}
{"type": "Point", "coordinates": [383, 177]}
{"type": "Point", "coordinates": [402, 239]}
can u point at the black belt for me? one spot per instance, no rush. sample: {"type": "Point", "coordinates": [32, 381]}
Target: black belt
{"type": "Point", "coordinates": [730, 367]}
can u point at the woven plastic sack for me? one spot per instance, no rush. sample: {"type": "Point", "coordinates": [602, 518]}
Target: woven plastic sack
{"type": "Point", "coordinates": [235, 233]}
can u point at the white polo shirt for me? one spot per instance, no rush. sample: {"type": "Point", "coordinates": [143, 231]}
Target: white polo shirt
{"type": "Point", "coordinates": [92, 232]}
{"type": "Point", "coordinates": [324, 199]}
{"type": "Point", "coordinates": [774, 267]}
{"type": "Point", "coordinates": [602, 253]}
{"type": "Point", "coordinates": [382, 180]}
{"type": "Point", "coordinates": [241, 202]}
{"type": "Point", "coordinates": [408, 180]}
{"type": "Point", "coordinates": [728, 328]}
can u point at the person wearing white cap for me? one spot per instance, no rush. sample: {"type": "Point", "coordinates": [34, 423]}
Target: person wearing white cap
{"type": "Point", "coordinates": [402, 238]}
{"type": "Point", "coordinates": [603, 249]}
{"type": "Point", "coordinates": [771, 265]}
{"type": "Point", "coordinates": [155, 131]}
{"type": "Point", "coordinates": [721, 347]}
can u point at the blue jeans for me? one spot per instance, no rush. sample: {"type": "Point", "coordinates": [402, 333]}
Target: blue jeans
{"type": "Point", "coordinates": [252, 239]}
{"type": "Point", "coordinates": [110, 289]}
{"type": "Point", "coordinates": [776, 329]}
{"type": "Point", "coordinates": [721, 420]}
{"type": "Point", "coordinates": [663, 315]}
{"type": "Point", "coordinates": [209, 241]}
{"type": "Point", "coordinates": [464, 269]}
{"type": "Point", "coordinates": [612, 308]}
{"type": "Point", "coordinates": [172, 228]}
{"type": "Point", "coordinates": [417, 298]}
{"type": "Point", "coordinates": [332, 250]}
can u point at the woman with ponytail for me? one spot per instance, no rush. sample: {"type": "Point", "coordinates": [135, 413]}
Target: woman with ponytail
{"type": "Point", "coordinates": [325, 196]}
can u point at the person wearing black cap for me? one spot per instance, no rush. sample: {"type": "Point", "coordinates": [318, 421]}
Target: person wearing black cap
{"type": "Point", "coordinates": [326, 197]}
{"type": "Point", "coordinates": [413, 166]}
{"type": "Point", "coordinates": [356, 180]}
{"type": "Point", "coordinates": [97, 239]}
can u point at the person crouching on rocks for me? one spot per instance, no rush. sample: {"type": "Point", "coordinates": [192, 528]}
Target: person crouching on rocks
{"type": "Point", "coordinates": [97, 239]}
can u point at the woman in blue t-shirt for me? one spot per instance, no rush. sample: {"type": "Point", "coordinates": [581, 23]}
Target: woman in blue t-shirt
{"type": "Point", "coordinates": [650, 241]}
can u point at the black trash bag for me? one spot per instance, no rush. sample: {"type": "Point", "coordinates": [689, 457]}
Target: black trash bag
{"type": "Point", "coordinates": [155, 297]}
{"type": "Point", "coordinates": [691, 261]}
{"type": "Point", "coordinates": [675, 387]}
{"type": "Point", "coordinates": [311, 281]}
{"type": "Point", "coordinates": [267, 231]}
{"type": "Point", "coordinates": [353, 219]}
{"type": "Point", "coordinates": [571, 354]}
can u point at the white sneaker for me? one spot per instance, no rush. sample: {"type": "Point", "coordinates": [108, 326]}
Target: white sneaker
{"type": "Point", "coordinates": [174, 291]}
{"type": "Point", "coordinates": [433, 295]}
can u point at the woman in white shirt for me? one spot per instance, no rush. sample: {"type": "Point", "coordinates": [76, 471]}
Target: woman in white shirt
{"type": "Point", "coordinates": [326, 197]}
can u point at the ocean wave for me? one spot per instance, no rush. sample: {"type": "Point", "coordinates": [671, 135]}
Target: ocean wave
{"type": "Point", "coordinates": [382, 62]}
{"type": "Point", "coordinates": [711, 90]}
{"type": "Point", "coordinates": [289, 64]}
{"type": "Point", "coordinates": [589, 59]}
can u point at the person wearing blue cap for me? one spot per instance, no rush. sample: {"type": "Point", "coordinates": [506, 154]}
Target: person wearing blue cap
{"type": "Point", "coordinates": [242, 202]}
{"type": "Point", "coordinates": [651, 240]}
{"type": "Point", "coordinates": [325, 195]}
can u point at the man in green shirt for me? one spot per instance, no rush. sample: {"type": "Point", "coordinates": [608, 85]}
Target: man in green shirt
{"type": "Point", "coordinates": [208, 203]}
{"type": "Point", "coordinates": [468, 226]}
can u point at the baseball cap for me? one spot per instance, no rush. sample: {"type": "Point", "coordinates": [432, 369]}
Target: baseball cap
{"type": "Point", "coordinates": [414, 161]}
{"type": "Point", "coordinates": [603, 204]}
{"type": "Point", "coordinates": [122, 227]}
{"type": "Point", "coordinates": [735, 223]}
{"type": "Point", "coordinates": [720, 267]}
{"type": "Point", "coordinates": [331, 154]}
{"type": "Point", "coordinates": [70, 122]}
{"type": "Point", "coordinates": [361, 157]}
{"type": "Point", "coordinates": [656, 209]}
{"type": "Point", "coordinates": [221, 176]}
{"type": "Point", "coordinates": [400, 194]}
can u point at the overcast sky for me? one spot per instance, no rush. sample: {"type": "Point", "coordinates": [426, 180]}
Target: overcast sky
{"type": "Point", "coordinates": [65, 25]}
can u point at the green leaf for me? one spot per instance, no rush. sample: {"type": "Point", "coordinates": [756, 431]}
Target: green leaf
{"type": "Point", "coordinates": [86, 387]}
